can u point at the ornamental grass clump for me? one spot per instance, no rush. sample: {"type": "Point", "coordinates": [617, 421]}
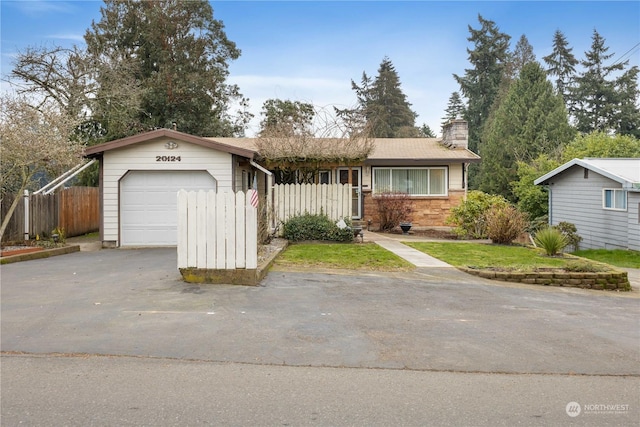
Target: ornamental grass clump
{"type": "Point", "coordinates": [504, 223]}
{"type": "Point", "coordinates": [551, 240]}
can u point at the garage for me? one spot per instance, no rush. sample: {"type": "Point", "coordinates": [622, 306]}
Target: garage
{"type": "Point", "coordinates": [148, 204]}
{"type": "Point", "coordinates": [140, 177]}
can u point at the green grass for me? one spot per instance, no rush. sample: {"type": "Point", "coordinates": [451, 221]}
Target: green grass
{"type": "Point", "coordinates": [478, 255]}
{"type": "Point", "coordinates": [616, 257]}
{"type": "Point", "coordinates": [364, 256]}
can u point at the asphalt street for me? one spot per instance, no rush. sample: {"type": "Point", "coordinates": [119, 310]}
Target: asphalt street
{"type": "Point", "coordinates": [87, 336]}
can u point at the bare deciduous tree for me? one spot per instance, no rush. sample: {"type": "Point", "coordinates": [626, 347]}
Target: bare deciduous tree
{"type": "Point", "coordinates": [33, 140]}
{"type": "Point", "coordinates": [330, 141]}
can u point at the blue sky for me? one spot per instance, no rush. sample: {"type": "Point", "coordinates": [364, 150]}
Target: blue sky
{"type": "Point", "coordinates": [310, 51]}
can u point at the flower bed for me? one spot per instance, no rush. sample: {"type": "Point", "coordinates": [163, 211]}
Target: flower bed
{"type": "Point", "coordinates": [17, 250]}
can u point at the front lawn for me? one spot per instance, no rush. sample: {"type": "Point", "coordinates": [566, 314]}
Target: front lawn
{"type": "Point", "coordinates": [513, 258]}
{"type": "Point", "coordinates": [363, 256]}
{"type": "Point", "coordinates": [616, 257]}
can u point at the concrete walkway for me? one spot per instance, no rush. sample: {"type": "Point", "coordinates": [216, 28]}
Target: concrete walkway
{"type": "Point", "coordinates": [414, 256]}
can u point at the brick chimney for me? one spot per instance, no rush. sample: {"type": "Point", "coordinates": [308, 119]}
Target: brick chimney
{"type": "Point", "coordinates": [455, 134]}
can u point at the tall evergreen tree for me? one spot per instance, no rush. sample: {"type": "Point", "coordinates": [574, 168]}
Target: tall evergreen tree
{"type": "Point", "coordinates": [480, 84]}
{"type": "Point", "coordinates": [383, 104]}
{"type": "Point", "coordinates": [177, 54]}
{"type": "Point", "coordinates": [603, 101]}
{"type": "Point", "coordinates": [455, 108]}
{"type": "Point", "coordinates": [627, 121]}
{"type": "Point", "coordinates": [561, 64]}
{"type": "Point", "coordinates": [426, 132]}
{"type": "Point", "coordinates": [522, 55]}
{"type": "Point", "coordinates": [530, 121]}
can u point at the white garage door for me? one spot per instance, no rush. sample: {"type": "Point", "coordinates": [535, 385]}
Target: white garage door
{"type": "Point", "coordinates": [148, 204]}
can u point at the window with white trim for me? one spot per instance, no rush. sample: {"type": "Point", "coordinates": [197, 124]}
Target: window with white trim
{"type": "Point", "coordinates": [413, 181]}
{"type": "Point", "coordinates": [614, 198]}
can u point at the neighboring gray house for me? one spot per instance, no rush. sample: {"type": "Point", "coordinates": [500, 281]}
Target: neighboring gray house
{"type": "Point", "coordinates": [601, 197]}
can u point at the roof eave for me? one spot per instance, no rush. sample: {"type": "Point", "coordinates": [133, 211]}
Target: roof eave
{"type": "Point", "coordinates": [99, 149]}
{"type": "Point", "coordinates": [585, 164]}
{"type": "Point", "coordinates": [419, 162]}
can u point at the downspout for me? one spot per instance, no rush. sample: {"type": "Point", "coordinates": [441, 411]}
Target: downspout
{"type": "Point", "coordinates": [269, 192]}
{"type": "Point", "coordinates": [465, 178]}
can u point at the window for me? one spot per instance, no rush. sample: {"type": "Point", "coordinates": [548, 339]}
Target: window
{"type": "Point", "coordinates": [614, 199]}
{"type": "Point", "coordinates": [413, 181]}
{"type": "Point", "coordinates": [324, 177]}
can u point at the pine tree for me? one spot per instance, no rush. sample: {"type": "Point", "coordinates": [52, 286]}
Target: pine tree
{"type": "Point", "coordinates": [627, 121]}
{"type": "Point", "coordinates": [561, 64]}
{"type": "Point", "coordinates": [602, 101]}
{"type": "Point", "coordinates": [531, 120]}
{"type": "Point", "coordinates": [383, 104]}
{"type": "Point", "coordinates": [177, 54]}
{"type": "Point", "coordinates": [522, 55]}
{"type": "Point", "coordinates": [480, 84]}
{"type": "Point", "coordinates": [455, 108]}
{"type": "Point", "coordinates": [426, 132]}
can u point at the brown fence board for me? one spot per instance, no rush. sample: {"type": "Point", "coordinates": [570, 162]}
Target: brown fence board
{"type": "Point", "coordinates": [15, 228]}
{"type": "Point", "coordinates": [79, 210]}
{"type": "Point", "coordinates": [75, 209]}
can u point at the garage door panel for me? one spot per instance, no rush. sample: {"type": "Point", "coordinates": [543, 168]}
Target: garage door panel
{"type": "Point", "coordinates": [148, 204]}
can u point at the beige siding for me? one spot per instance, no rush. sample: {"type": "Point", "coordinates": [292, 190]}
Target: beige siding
{"type": "Point", "coordinates": [455, 177]}
{"type": "Point", "coordinates": [143, 157]}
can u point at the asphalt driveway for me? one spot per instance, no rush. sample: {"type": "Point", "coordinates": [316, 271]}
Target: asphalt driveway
{"type": "Point", "coordinates": [133, 302]}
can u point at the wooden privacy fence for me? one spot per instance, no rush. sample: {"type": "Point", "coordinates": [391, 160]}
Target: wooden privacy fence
{"type": "Point", "coordinates": [333, 200]}
{"type": "Point", "coordinates": [217, 230]}
{"type": "Point", "coordinates": [75, 209]}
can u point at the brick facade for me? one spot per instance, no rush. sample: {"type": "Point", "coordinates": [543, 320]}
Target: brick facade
{"type": "Point", "coordinates": [428, 211]}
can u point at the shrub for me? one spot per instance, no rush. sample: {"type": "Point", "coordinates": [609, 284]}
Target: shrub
{"type": "Point", "coordinates": [316, 227]}
{"type": "Point", "coordinates": [394, 208]}
{"type": "Point", "coordinates": [468, 217]}
{"type": "Point", "coordinates": [551, 240]}
{"type": "Point", "coordinates": [569, 231]}
{"type": "Point", "coordinates": [585, 267]}
{"type": "Point", "coordinates": [504, 223]}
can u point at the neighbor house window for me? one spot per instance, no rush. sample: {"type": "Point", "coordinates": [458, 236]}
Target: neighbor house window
{"type": "Point", "coordinates": [413, 181]}
{"type": "Point", "coordinates": [614, 199]}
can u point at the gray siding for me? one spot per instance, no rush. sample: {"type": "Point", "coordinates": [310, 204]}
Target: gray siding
{"type": "Point", "coordinates": [633, 203]}
{"type": "Point", "coordinates": [578, 200]}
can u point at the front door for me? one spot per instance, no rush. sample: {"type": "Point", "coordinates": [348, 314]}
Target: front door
{"type": "Point", "coordinates": [356, 189]}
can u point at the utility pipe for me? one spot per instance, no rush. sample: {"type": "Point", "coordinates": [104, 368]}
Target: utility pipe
{"type": "Point", "coordinates": [51, 190]}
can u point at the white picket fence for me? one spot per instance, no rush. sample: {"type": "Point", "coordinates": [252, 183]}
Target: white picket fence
{"type": "Point", "coordinates": [217, 230]}
{"type": "Point", "coordinates": [333, 200]}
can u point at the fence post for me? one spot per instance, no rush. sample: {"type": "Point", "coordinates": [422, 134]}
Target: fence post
{"type": "Point", "coordinates": [251, 233]}
{"type": "Point", "coordinates": [26, 214]}
{"type": "Point", "coordinates": [183, 240]}
{"type": "Point", "coordinates": [241, 232]}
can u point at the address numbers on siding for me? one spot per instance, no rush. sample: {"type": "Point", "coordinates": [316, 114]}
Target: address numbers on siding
{"type": "Point", "coordinates": [168, 158]}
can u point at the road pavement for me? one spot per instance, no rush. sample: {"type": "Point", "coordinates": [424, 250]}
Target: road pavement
{"type": "Point", "coordinates": [307, 348]}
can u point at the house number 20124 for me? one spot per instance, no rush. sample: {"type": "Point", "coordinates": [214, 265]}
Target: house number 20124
{"type": "Point", "coordinates": [168, 158]}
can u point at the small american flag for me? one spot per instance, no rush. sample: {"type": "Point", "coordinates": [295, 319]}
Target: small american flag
{"type": "Point", "coordinates": [254, 193]}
